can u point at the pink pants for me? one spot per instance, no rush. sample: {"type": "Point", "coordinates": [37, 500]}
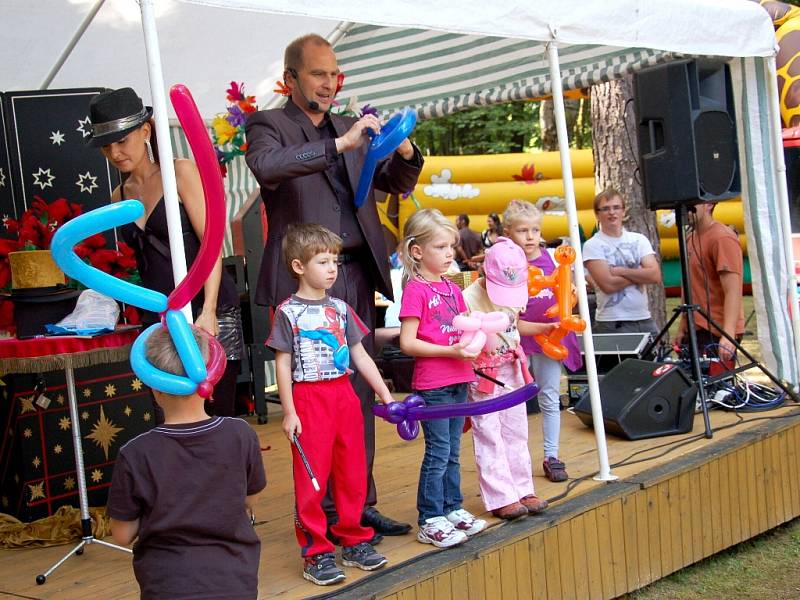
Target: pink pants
{"type": "Point", "coordinates": [501, 444]}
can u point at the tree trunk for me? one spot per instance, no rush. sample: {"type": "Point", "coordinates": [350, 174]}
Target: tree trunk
{"type": "Point", "coordinates": [615, 152]}
{"type": "Point", "coordinates": [547, 122]}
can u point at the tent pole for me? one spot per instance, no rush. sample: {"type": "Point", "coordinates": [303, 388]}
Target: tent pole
{"type": "Point", "coordinates": [783, 205]}
{"type": "Point", "coordinates": [87, 20]}
{"type": "Point", "coordinates": [334, 36]}
{"type": "Point", "coordinates": [164, 146]}
{"type": "Point", "coordinates": [604, 473]}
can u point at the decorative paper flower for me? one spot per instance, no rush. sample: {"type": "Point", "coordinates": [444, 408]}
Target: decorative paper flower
{"type": "Point", "coordinates": [229, 134]}
{"type": "Point", "coordinates": [282, 89]}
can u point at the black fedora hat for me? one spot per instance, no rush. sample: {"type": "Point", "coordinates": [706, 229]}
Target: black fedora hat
{"type": "Point", "coordinates": [114, 114]}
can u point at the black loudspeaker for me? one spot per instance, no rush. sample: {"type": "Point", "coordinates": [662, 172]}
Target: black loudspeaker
{"type": "Point", "coordinates": [643, 399]}
{"type": "Point", "coordinates": [687, 133]}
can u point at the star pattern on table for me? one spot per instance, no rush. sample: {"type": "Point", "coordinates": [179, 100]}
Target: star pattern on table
{"type": "Point", "coordinates": [146, 417]}
{"type": "Point", "coordinates": [69, 483]}
{"type": "Point", "coordinates": [110, 390]}
{"type": "Point", "coordinates": [84, 127]}
{"type": "Point", "coordinates": [136, 384]}
{"type": "Point", "coordinates": [57, 137]}
{"type": "Point", "coordinates": [43, 178]}
{"type": "Point", "coordinates": [103, 432]}
{"type": "Point", "coordinates": [97, 475]}
{"type": "Point", "coordinates": [60, 399]}
{"type": "Point", "coordinates": [36, 462]}
{"type": "Point", "coordinates": [57, 449]}
{"type": "Point", "coordinates": [37, 491]}
{"type": "Point", "coordinates": [87, 392]}
{"type": "Point", "coordinates": [27, 404]}
{"type": "Point", "coordinates": [27, 433]}
{"type": "Point", "coordinates": [128, 410]}
{"type": "Point", "coordinates": [86, 182]}
{"type": "Point", "coordinates": [85, 415]}
{"type": "Point", "coordinates": [2, 177]}
{"type": "Point", "coordinates": [64, 423]}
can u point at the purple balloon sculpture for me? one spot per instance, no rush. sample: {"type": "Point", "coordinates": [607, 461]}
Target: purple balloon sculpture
{"type": "Point", "coordinates": [407, 413]}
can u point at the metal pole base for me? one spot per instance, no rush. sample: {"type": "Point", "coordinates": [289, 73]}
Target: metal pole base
{"type": "Point", "coordinates": [85, 541]}
{"type": "Point", "coordinates": [607, 477]}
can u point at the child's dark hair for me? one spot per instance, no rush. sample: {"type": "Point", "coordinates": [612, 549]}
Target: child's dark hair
{"type": "Point", "coordinates": [302, 241]}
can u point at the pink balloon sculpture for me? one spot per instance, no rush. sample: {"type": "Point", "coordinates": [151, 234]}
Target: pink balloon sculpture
{"type": "Point", "coordinates": [480, 330]}
{"type": "Point", "coordinates": [213, 190]}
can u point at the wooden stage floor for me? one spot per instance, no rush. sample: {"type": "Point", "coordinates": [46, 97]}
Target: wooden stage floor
{"type": "Point", "coordinates": [104, 573]}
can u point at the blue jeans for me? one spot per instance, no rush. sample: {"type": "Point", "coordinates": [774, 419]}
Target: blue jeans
{"type": "Point", "coordinates": [439, 490]}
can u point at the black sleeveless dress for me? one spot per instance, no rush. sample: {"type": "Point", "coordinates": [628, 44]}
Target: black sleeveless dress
{"type": "Point", "coordinates": [154, 260]}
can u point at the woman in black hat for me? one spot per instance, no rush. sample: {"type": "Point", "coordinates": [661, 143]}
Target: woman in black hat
{"type": "Point", "coordinates": [123, 129]}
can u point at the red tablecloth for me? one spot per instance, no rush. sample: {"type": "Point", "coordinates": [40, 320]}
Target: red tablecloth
{"type": "Point", "coordinates": [38, 355]}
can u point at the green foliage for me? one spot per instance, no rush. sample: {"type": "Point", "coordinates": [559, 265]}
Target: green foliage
{"type": "Point", "coordinates": [512, 127]}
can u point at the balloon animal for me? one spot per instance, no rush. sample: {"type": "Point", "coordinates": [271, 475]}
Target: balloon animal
{"type": "Point", "coordinates": [560, 281]}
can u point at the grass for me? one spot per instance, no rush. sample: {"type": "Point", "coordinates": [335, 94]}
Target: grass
{"type": "Point", "coordinates": [767, 566]}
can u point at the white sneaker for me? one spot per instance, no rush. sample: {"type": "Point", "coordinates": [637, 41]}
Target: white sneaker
{"type": "Point", "coordinates": [465, 521]}
{"type": "Point", "coordinates": [441, 533]}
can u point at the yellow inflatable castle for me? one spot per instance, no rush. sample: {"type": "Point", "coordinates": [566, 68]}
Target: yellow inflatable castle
{"type": "Point", "coordinates": [479, 185]}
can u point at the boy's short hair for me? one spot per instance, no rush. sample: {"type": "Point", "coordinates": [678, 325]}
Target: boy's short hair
{"type": "Point", "coordinates": [162, 354]}
{"type": "Point", "coordinates": [607, 194]}
{"type": "Point", "coordinates": [303, 241]}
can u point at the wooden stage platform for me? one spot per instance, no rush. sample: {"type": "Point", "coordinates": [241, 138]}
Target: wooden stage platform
{"type": "Point", "coordinates": [678, 500]}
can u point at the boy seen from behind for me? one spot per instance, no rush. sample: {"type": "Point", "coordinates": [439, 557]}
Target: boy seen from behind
{"type": "Point", "coordinates": [185, 491]}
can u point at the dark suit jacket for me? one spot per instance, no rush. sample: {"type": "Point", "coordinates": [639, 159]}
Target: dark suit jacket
{"type": "Point", "coordinates": [296, 188]}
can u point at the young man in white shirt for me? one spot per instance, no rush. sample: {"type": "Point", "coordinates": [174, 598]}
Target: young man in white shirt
{"type": "Point", "coordinates": [620, 263]}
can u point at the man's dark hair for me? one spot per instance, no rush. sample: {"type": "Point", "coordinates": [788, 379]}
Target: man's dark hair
{"type": "Point", "coordinates": [464, 218]}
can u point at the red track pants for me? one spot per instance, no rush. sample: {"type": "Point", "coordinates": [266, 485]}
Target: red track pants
{"type": "Point", "coordinates": [333, 440]}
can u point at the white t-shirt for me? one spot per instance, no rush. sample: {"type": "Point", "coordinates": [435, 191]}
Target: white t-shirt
{"type": "Point", "coordinates": [627, 250]}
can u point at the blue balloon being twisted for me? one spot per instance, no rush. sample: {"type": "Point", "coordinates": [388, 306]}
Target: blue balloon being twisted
{"type": "Point", "coordinates": [407, 413]}
{"type": "Point", "coordinates": [392, 134]}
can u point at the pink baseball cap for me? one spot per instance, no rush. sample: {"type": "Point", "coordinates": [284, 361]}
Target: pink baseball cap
{"type": "Point", "coordinates": [506, 269]}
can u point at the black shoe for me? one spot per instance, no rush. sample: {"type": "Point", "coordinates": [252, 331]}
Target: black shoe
{"type": "Point", "coordinates": [334, 539]}
{"type": "Point", "coordinates": [382, 524]}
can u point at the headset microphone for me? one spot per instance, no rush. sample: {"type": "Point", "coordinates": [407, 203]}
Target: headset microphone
{"type": "Point", "coordinates": [312, 105]}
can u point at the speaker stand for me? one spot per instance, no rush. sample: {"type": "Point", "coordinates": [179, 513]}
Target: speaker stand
{"type": "Point", "coordinates": [688, 309]}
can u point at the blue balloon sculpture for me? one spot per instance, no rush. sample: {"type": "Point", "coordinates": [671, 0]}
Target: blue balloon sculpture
{"type": "Point", "coordinates": [392, 134]}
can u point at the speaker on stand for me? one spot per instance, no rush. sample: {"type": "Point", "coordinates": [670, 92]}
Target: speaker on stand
{"type": "Point", "coordinates": [687, 133]}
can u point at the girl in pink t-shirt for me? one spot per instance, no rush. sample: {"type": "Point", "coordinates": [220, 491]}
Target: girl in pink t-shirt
{"type": "Point", "coordinates": [442, 370]}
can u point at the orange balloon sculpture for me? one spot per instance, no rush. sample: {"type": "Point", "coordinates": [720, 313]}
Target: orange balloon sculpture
{"type": "Point", "coordinates": [560, 282]}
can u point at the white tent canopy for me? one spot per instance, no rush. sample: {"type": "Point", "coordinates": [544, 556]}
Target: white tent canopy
{"type": "Point", "coordinates": [197, 36]}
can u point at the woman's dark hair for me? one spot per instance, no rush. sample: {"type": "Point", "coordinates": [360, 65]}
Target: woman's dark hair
{"type": "Point", "coordinates": [153, 145]}
{"type": "Point", "coordinates": [497, 225]}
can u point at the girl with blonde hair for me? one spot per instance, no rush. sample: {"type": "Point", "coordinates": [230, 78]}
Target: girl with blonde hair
{"type": "Point", "coordinates": [442, 370]}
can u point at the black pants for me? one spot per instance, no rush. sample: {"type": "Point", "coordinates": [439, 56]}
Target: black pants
{"type": "Point", "coordinates": [356, 286]}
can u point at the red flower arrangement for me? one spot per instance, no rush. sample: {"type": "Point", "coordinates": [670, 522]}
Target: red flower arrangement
{"type": "Point", "coordinates": [34, 231]}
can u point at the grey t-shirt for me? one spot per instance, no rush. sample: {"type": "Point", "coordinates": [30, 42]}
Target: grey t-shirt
{"type": "Point", "coordinates": [187, 483]}
{"type": "Point", "coordinates": [317, 333]}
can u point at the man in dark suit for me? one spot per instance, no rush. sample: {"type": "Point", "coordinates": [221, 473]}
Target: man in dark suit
{"type": "Point", "coordinates": [308, 163]}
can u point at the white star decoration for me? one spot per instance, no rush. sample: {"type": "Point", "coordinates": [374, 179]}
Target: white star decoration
{"type": "Point", "coordinates": [43, 178]}
{"type": "Point", "coordinates": [84, 127]}
{"type": "Point", "coordinates": [57, 137]}
{"type": "Point", "coordinates": [2, 177]}
{"type": "Point", "coordinates": [87, 182]}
